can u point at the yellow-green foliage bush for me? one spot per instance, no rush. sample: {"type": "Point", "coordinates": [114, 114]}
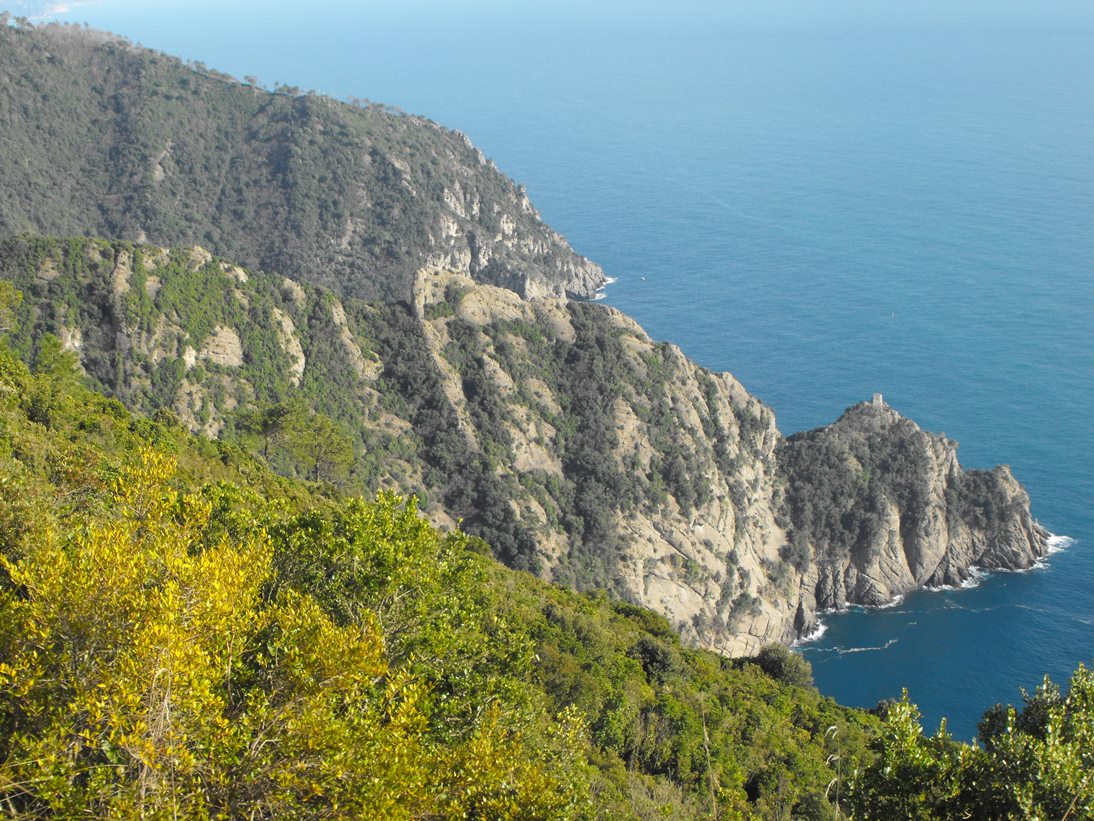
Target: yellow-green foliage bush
{"type": "Point", "coordinates": [183, 633]}
{"type": "Point", "coordinates": [146, 672]}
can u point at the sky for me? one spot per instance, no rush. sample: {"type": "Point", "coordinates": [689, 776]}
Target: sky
{"type": "Point", "coordinates": [653, 15]}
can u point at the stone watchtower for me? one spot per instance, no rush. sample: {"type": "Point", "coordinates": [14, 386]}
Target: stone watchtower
{"type": "Point", "coordinates": [877, 401]}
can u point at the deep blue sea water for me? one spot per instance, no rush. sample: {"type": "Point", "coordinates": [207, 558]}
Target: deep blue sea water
{"type": "Point", "coordinates": [825, 199]}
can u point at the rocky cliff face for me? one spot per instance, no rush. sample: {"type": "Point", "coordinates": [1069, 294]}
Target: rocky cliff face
{"type": "Point", "coordinates": [878, 507]}
{"type": "Point", "coordinates": [103, 138]}
{"type": "Point", "coordinates": [631, 467]}
{"type": "Point", "coordinates": [739, 535]}
{"type": "Point", "coordinates": [558, 431]}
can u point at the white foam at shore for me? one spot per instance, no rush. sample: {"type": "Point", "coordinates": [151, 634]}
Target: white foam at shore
{"type": "Point", "coordinates": [1058, 543]}
{"type": "Point", "coordinates": [893, 602]}
{"type": "Point", "coordinates": [819, 630]}
{"type": "Point", "coordinates": [601, 292]}
{"type": "Point", "coordinates": [977, 575]}
{"type": "Point", "coordinates": [1055, 544]}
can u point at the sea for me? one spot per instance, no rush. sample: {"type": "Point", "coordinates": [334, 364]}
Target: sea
{"type": "Point", "coordinates": [826, 199]}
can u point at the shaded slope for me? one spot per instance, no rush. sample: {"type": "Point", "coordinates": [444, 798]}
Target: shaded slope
{"type": "Point", "coordinates": [104, 138]}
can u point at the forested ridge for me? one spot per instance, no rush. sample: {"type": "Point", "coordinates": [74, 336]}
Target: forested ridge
{"type": "Point", "coordinates": [168, 602]}
{"type": "Point", "coordinates": [103, 138]}
{"type": "Point", "coordinates": [184, 632]}
{"type": "Point", "coordinates": [266, 509]}
{"type": "Point", "coordinates": [557, 431]}
{"type": "Point", "coordinates": [143, 321]}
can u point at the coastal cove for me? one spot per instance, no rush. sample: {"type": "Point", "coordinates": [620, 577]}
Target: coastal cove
{"type": "Point", "coordinates": [802, 226]}
{"type": "Point", "coordinates": [870, 654]}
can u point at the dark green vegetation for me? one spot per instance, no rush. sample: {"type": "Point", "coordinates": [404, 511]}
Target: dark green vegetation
{"type": "Point", "coordinates": [558, 432]}
{"type": "Point", "coordinates": [1036, 762]}
{"type": "Point", "coordinates": [144, 319]}
{"type": "Point", "coordinates": [221, 625]}
{"type": "Point", "coordinates": [105, 139]}
{"type": "Point", "coordinates": [844, 480]}
{"type": "Point", "coordinates": [167, 603]}
{"type": "Point", "coordinates": [839, 486]}
{"type": "Point", "coordinates": [354, 632]}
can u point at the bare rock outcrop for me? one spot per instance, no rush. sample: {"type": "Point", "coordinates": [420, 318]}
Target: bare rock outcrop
{"type": "Point", "coordinates": [688, 498]}
{"type": "Point", "coordinates": [879, 507]}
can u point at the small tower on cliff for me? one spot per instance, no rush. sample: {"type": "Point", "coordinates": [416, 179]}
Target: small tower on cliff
{"type": "Point", "coordinates": [877, 401]}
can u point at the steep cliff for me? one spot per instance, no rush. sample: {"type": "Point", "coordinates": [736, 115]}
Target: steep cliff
{"type": "Point", "coordinates": [558, 431]}
{"type": "Point", "coordinates": [878, 507]}
{"type": "Point", "coordinates": [105, 138]}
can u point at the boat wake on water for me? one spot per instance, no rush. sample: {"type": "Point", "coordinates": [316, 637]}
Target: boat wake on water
{"type": "Point", "coordinates": [843, 651]}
